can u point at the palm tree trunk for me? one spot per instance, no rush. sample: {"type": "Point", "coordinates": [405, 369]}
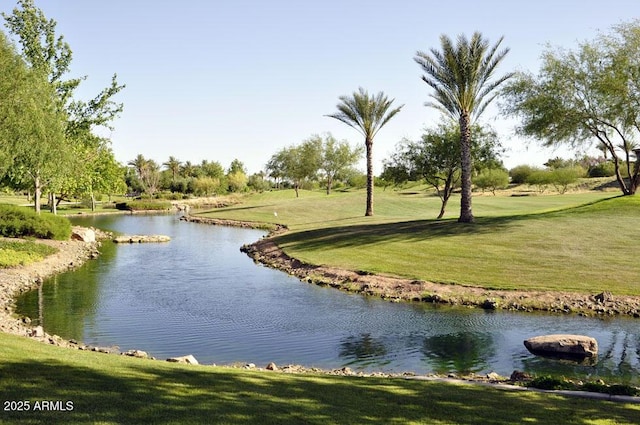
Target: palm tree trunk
{"type": "Point", "coordinates": [466, 215]}
{"type": "Point", "coordinates": [369, 147]}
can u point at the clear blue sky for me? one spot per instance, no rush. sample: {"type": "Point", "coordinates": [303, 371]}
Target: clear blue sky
{"type": "Point", "coordinates": [218, 80]}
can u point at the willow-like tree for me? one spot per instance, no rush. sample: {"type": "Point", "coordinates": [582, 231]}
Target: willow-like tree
{"type": "Point", "coordinates": [49, 56]}
{"type": "Point", "coordinates": [367, 114]}
{"type": "Point", "coordinates": [32, 152]}
{"type": "Point", "coordinates": [462, 77]}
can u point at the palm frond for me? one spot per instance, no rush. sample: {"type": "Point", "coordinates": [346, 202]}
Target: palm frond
{"type": "Point", "coordinates": [461, 73]}
{"type": "Point", "coordinates": [364, 112]}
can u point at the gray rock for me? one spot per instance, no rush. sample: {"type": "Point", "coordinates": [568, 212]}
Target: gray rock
{"type": "Point", "coordinates": [141, 239]}
{"type": "Point", "coordinates": [37, 332]}
{"type": "Point", "coordinates": [189, 359]}
{"type": "Point", "coordinates": [272, 366]}
{"type": "Point", "coordinates": [578, 346]}
{"type": "Point", "coordinates": [137, 353]}
{"type": "Point", "coordinates": [519, 376]}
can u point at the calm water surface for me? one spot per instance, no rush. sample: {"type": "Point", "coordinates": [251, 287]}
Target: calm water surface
{"type": "Point", "coordinates": [198, 294]}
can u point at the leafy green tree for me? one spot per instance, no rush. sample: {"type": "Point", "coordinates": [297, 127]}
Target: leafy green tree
{"type": "Point", "coordinates": [394, 172]}
{"type": "Point", "coordinates": [13, 83]}
{"type": "Point", "coordinates": [461, 76]}
{"type": "Point", "coordinates": [42, 49]}
{"type": "Point", "coordinates": [276, 167]}
{"type": "Point", "coordinates": [48, 55]}
{"type": "Point", "coordinates": [299, 163]}
{"type": "Point", "coordinates": [237, 166]}
{"type": "Point", "coordinates": [436, 158]}
{"type": "Point", "coordinates": [31, 126]}
{"type": "Point", "coordinates": [211, 169]}
{"type": "Point", "coordinates": [587, 95]}
{"type": "Point", "coordinates": [257, 182]}
{"type": "Point", "coordinates": [337, 157]}
{"type": "Point", "coordinates": [131, 179]}
{"type": "Point", "coordinates": [367, 114]}
{"type": "Point", "coordinates": [93, 169]}
{"type": "Point", "coordinates": [492, 179]}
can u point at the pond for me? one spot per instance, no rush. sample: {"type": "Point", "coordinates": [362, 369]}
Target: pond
{"type": "Point", "coordinates": [198, 294]}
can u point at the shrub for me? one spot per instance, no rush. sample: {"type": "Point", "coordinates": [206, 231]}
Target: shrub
{"type": "Point", "coordinates": [547, 382]}
{"type": "Point", "coordinates": [561, 178]}
{"type": "Point", "coordinates": [144, 205]}
{"type": "Point", "coordinates": [520, 174]}
{"type": "Point", "coordinates": [22, 253]}
{"type": "Point", "coordinates": [20, 222]}
{"type": "Point", "coordinates": [540, 178]}
{"type": "Point", "coordinates": [492, 179]}
{"type": "Point", "coordinates": [604, 169]}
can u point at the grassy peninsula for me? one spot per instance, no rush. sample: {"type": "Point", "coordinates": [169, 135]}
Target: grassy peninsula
{"type": "Point", "coordinates": [576, 242]}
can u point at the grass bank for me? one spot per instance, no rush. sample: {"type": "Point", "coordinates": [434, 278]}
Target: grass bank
{"type": "Point", "coordinates": [110, 389]}
{"type": "Point", "coordinates": [573, 242]}
{"type": "Point", "coordinates": [17, 253]}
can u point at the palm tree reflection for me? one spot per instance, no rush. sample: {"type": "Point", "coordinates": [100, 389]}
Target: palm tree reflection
{"type": "Point", "coordinates": [462, 353]}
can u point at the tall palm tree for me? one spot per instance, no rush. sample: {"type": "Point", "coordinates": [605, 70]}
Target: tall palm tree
{"type": "Point", "coordinates": [461, 76]}
{"type": "Point", "coordinates": [367, 114]}
{"type": "Point", "coordinates": [173, 165]}
{"type": "Point", "coordinates": [139, 163]}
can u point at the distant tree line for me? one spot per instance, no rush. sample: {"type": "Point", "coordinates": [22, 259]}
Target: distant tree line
{"type": "Point", "coordinates": [589, 96]}
{"type": "Point", "coordinates": [176, 179]}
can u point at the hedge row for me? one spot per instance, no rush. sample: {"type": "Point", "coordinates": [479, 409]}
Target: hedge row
{"type": "Point", "coordinates": [21, 222]}
{"type": "Point", "coordinates": [143, 205]}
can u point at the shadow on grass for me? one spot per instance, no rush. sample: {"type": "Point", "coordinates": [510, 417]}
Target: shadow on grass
{"type": "Point", "coordinates": [239, 208]}
{"type": "Point", "coordinates": [365, 234]}
{"type": "Point", "coordinates": [142, 393]}
{"type": "Point", "coordinates": [369, 234]}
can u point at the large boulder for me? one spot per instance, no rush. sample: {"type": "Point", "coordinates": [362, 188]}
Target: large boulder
{"type": "Point", "coordinates": [83, 234]}
{"type": "Point", "coordinates": [573, 346]}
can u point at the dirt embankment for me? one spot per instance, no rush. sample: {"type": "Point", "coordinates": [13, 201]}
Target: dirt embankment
{"type": "Point", "coordinates": [266, 251]}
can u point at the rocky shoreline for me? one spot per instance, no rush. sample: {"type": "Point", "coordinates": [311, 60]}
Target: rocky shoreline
{"type": "Point", "coordinates": [394, 289]}
{"type": "Point", "coordinates": [73, 253]}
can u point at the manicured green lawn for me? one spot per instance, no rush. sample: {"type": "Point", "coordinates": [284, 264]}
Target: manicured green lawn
{"type": "Point", "coordinates": [531, 243]}
{"type": "Point", "coordinates": [110, 389]}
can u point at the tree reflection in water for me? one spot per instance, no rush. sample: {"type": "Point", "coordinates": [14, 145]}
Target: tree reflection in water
{"type": "Point", "coordinates": [363, 350]}
{"type": "Point", "coordinates": [462, 353]}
